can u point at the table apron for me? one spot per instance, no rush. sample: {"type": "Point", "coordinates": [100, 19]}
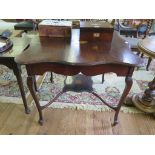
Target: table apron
{"type": "Point", "coordinates": [70, 70]}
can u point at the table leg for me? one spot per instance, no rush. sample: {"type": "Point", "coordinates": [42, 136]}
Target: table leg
{"type": "Point", "coordinates": [128, 81]}
{"type": "Point", "coordinates": [148, 63]}
{"type": "Point", "coordinates": [35, 83]}
{"type": "Point", "coordinates": [17, 72]}
{"type": "Point", "coordinates": [30, 83]}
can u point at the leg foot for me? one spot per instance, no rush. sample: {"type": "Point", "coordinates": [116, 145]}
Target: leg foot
{"type": "Point", "coordinates": [115, 123]}
{"type": "Point", "coordinates": [41, 122]}
{"type": "Point", "coordinates": [27, 111]}
{"type": "Point", "coordinates": [115, 119]}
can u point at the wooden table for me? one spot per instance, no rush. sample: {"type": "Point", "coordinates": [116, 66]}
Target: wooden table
{"type": "Point", "coordinates": [145, 102]}
{"type": "Point", "coordinates": [14, 33]}
{"type": "Point", "coordinates": [7, 59]}
{"type": "Point", "coordinates": [71, 57]}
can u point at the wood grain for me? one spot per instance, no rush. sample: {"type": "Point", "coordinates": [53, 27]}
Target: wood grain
{"type": "Point", "coordinates": [72, 122]}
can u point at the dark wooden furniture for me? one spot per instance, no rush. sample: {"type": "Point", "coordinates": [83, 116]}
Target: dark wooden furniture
{"type": "Point", "coordinates": [70, 57]}
{"type": "Point", "coordinates": [96, 31]}
{"type": "Point", "coordinates": [7, 59]}
{"type": "Point", "coordinates": [146, 101]}
{"type": "Point", "coordinates": [55, 28]}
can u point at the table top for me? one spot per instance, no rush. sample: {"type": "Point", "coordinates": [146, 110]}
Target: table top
{"type": "Point", "coordinates": [147, 46]}
{"type": "Point", "coordinates": [14, 33]}
{"type": "Point", "coordinates": [73, 52]}
{"type": "Point", "coordinates": [19, 44]}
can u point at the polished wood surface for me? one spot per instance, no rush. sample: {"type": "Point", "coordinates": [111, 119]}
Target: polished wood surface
{"type": "Point", "coordinates": [96, 31]}
{"type": "Point", "coordinates": [71, 57]}
{"type": "Point", "coordinates": [72, 52]}
{"type": "Point", "coordinates": [7, 59]}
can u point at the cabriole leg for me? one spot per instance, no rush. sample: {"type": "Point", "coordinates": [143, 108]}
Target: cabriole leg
{"type": "Point", "coordinates": [30, 83]}
{"type": "Point", "coordinates": [128, 81]}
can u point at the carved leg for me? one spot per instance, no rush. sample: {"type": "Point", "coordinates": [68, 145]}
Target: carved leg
{"type": "Point", "coordinates": [148, 64]}
{"type": "Point", "coordinates": [128, 81]}
{"type": "Point", "coordinates": [30, 83]}
{"type": "Point", "coordinates": [17, 72]}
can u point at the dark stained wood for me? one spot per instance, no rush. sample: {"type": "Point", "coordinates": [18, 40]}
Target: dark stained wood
{"type": "Point", "coordinates": [63, 51]}
{"type": "Point", "coordinates": [55, 28]}
{"type": "Point", "coordinates": [78, 83]}
{"type": "Point", "coordinates": [70, 57]}
{"type": "Point", "coordinates": [96, 31]}
{"type": "Point", "coordinates": [31, 86]}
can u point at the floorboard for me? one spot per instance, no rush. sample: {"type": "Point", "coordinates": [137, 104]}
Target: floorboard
{"type": "Point", "coordinates": [13, 121]}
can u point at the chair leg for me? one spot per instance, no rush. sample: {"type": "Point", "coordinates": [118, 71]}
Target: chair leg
{"type": "Point", "coordinates": [102, 78]}
{"type": "Point", "coordinates": [142, 55]}
{"type": "Point", "coordinates": [138, 53]}
{"type": "Point", "coordinates": [51, 78]}
{"type": "Point", "coordinates": [148, 64]}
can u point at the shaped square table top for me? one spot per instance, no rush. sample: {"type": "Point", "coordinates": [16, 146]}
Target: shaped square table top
{"type": "Point", "coordinates": [73, 52]}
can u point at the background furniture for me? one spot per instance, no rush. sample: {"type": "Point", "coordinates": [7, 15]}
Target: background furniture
{"type": "Point", "coordinates": [72, 57]}
{"type": "Point", "coordinates": [143, 30]}
{"type": "Point", "coordinates": [135, 27]}
{"type": "Point", "coordinates": [26, 25]}
{"type": "Point", "coordinates": [146, 101]}
{"type": "Point", "coordinates": [7, 59]}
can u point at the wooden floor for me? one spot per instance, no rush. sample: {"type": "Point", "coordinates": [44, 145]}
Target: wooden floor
{"type": "Point", "coordinates": [14, 121]}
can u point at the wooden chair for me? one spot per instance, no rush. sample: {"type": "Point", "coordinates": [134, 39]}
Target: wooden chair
{"type": "Point", "coordinates": [132, 36]}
